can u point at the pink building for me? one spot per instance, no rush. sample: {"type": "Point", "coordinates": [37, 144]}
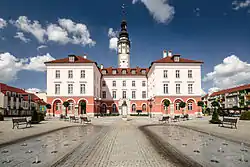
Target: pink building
{"type": "Point", "coordinates": [124, 89]}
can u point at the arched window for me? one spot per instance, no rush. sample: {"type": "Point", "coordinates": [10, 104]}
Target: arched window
{"type": "Point", "coordinates": [71, 105]}
{"type": "Point", "coordinates": [133, 107]}
{"type": "Point", "coordinates": [190, 106]}
{"type": "Point", "coordinates": [144, 107]}
{"type": "Point", "coordinates": [114, 108]}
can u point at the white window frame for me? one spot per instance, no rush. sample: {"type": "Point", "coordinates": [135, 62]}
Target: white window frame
{"type": "Point", "coordinates": [82, 74]}
{"type": "Point", "coordinates": [144, 94]}
{"type": "Point", "coordinates": [57, 74]}
{"type": "Point", "coordinates": [57, 89]}
{"type": "Point", "coordinates": [133, 94]}
{"type": "Point", "coordinates": [124, 83]}
{"type": "Point", "coordinates": [70, 74]}
{"type": "Point", "coordinates": [190, 88]}
{"type": "Point", "coordinates": [82, 88]}
{"type": "Point", "coordinates": [124, 94]}
{"type": "Point", "coordinates": [177, 73]}
{"type": "Point", "coordinates": [133, 83]}
{"type": "Point", "coordinates": [190, 106]}
{"type": "Point", "coordinates": [165, 73]}
{"type": "Point", "coordinates": [114, 83]}
{"type": "Point", "coordinates": [178, 88]}
{"type": "Point", "coordinates": [165, 88]}
{"type": "Point", "coordinates": [190, 74]}
{"type": "Point", "coordinates": [70, 89]}
{"type": "Point", "coordinates": [143, 83]}
{"type": "Point", "coordinates": [104, 94]}
{"type": "Point", "coordinates": [114, 94]}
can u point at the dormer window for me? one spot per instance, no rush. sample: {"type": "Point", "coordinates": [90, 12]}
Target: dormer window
{"type": "Point", "coordinates": [104, 72]}
{"type": "Point", "coordinates": [133, 72]}
{"type": "Point", "coordinates": [143, 71]}
{"type": "Point", "coordinates": [71, 58]}
{"type": "Point", "coordinates": [113, 71]}
{"type": "Point", "coordinates": [176, 58]}
{"type": "Point", "coordinates": [124, 71]}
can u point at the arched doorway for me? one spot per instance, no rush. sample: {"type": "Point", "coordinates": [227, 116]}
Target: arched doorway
{"type": "Point", "coordinates": [57, 107]}
{"type": "Point", "coordinates": [144, 108]}
{"type": "Point", "coordinates": [82, 107]}
{"type": "Point", "coordinates": [104, 109]}
{"type": "Point", "coordinates": [177, 106]}
{"type": "Point", "coordinates": [114, 109]}
{"type": "Point", "coordinates": [71, 108]}
{"type": "Point", "coordinates": [164, 109]}
{"type": "Point", "coordinates": [133, 108]}
{"type": "Point", "coordinates": [124, 108]}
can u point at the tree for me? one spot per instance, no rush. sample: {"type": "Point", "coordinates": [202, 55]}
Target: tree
{"type": "Point", "coordinates": [200, 104]}
{"type": "Point", "coordinates": [215, 117]}
{"type": "Point", "coordinates": [66, 105]}
{"type": "Point", "coordinates": [48, 106]}
{"type": "Point", "coordinates": [182, 105]}
{"type": "Point", "coordinates": [83, 107]}
{"type": "Point", "coordinates": [166, 103]}
{"type": "Point", "coordinates": [215, 104]}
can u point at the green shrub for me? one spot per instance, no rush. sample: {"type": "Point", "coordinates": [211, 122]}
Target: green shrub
{"type": "Point", "coordinates": [1, 117]}
{"type": "Point", "coordinates": [215, 118]}
{"type": "Point", "coordinates": [245, 115]}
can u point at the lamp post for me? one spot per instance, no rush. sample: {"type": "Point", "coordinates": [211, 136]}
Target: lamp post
{"type": "Point", "coordinates": [97, 100]}
{"type": "Point", "coordinates": [150, 106]}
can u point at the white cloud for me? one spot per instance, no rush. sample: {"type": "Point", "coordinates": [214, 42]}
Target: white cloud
{"type": "Point", "coordinates": [159, 9]}
{"type": "Point", "coordinates": [212, 90]}
{"type": "Point", "coordinates": [57, 34]}
{"type": "Point", "coordinates": [79, 32]}
{"type": "Point", "coordinates": [33, 90]}
{"type": "Point", "coordinates": [231, 72]}
{"type": "Point", "coordinates": [113, 39]}
{"type": "Point", "coordinates": [32, 27]}
{"type": "Point", "coordinates": [11, 65]}
{"type": "Point", "coordinates": [3, 23]}
{"type": "Point", "coordinates": [41, 47]}
{"type": "Point", "coordinates": [239, 5]}
{"type": "Point", "coordinates": [63, 32]}
{"type": "Point", "coordinates": [37, 63]}
{"type": "Point", "coordinates": [21, 36]}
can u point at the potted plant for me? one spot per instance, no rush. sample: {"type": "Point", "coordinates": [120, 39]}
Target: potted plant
{"type": "Point", "coordinates": [83, 107]}
{"type": "Point", "coordinates": [48, 106]}
{"type": "Point", "coordinates": [200, 104]}
{"type": "Point", "coordinates": [66, 105]}
{"type": "Point", "coordinates": [166, 103]}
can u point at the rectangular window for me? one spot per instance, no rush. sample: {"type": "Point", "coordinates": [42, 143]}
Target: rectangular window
{"type": "Point", "coordinates": [165, 88]}
{"type": "Point", "coordinates": [177, 73]}
{"type": "Point", "coordinates": [144, 94]}
{"type": "Point", "coordinates": [103, 83]}
{"type": "Point", "coordinates": [82, 73]}
{"type": "Point", "coordinates": [57, 74]}
{"type": "Point", "coordinates": [70, 74]}
{"type": "Point", "coordinates": [133, 83]}
{"type": "Point", "coordinates": [114, 94]}
{"type": "Point", "coordinates": [178, 88]}
{"type": "Point", "coordinates": [114, 83]}
{"type": "Point", "coordinates": [124, 71]}
{"type": "Point", "coordinates": [190, 88]}
{"type": "Point", "coordinates": [165, 73]}
{"type": "Point", "coordinates": [133, 72]}
{"type": "Point", "coordinates": [143, 83]}
{"type": "Point", "coordinates": [114, 72]}
{"type": "Point", "coordinates": [124, 94]}
{"type": "Point", "coordinates": [190, 75]}
{"type": "Point", "coordinates": [82, 89]}
{"type": "Point", "coordinates": [123, 83]}
{"type": "Point", "coordinates": [70, 88]}
{"type": "Point", "coordinates": [104, 94]}
{"type": "Point", "coordinates": [190, 106]}
{"type": "Point", "coordinates": [133, 95]}
{"type": "Point", "coordinates": [57, 89]}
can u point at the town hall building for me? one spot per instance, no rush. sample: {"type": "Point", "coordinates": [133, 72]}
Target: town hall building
{"type": "Point", "coordinates": [124, 89]}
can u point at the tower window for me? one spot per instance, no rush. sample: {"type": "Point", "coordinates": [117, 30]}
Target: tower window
{"type": "Point", "coordinates": [124, 71]}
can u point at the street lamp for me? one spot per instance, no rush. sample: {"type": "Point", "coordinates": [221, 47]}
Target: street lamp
{"type": "Point", "coordinates": [97, 100]}
{"type": "Point", "coordinates": [150, 106]}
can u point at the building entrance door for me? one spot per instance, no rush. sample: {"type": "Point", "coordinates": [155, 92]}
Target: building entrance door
{"type": "Point", "coordinates": [124, 109]}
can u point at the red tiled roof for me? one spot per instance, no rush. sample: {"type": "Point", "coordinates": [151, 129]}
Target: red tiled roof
{"type": "Point", "coordinates": [231, 90]}
{"type": "Point", "coordinates": [169, 59]}
{"type": "Point", "coordinates": [78, 59]}
{"type": "Point", "coordinates": [138, 71]}
{"type": "Point", "coordinates": [4, 88]}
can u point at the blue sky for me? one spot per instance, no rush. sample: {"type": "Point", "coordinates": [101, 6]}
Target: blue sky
{"type": "Point", "coordinates": [211, 31]}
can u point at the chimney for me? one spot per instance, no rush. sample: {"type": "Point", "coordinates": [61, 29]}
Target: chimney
{"type": "Point", "coordinates": [101, 66]}
{"type": "Point", "coordinates": [164, 53]}
{"type": "Point", "coordinates": [85, 56]}
{"type": "Point", "coordinates": [169, 53]}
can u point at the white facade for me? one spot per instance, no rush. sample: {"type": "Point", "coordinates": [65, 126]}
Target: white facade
{"type": "Point", "coordinates": [91, 79]}
{"type": "Point", "coordinates": [156, 79]}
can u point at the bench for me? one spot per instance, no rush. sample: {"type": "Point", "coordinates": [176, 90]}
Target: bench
{"type": "Point", "coordinates": [185, 117]}
{"type": "Point", "coordinates": [176, 118]}
{"type": "Point", "coordinates": [229, 121]}
{"type": "Point", "coordinates": [73, 118]}
{"type": "Point", "coordinates": [164, 119]}
{"type": "Point", "coordinates": [20, 121]}
{"type": "Point", "coordinates": [85, 120]}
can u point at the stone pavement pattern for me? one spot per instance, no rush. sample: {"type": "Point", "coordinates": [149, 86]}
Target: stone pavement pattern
{"type": "Point", "coordinates": [123, 145]}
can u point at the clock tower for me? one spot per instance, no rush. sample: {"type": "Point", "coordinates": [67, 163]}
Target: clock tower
{"type": "Point", "coordinates": [123, 46]}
